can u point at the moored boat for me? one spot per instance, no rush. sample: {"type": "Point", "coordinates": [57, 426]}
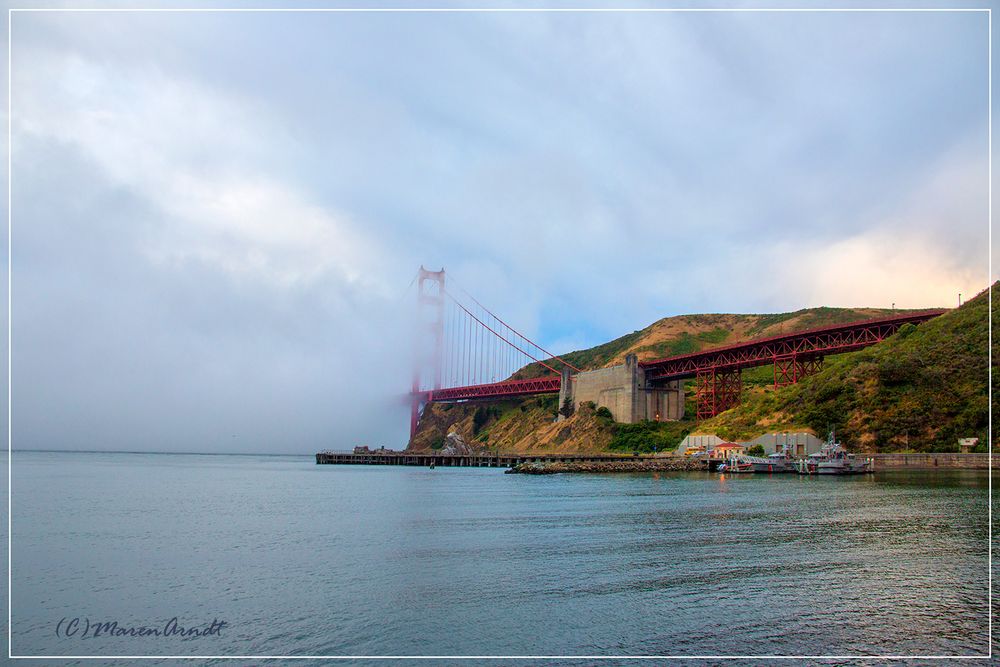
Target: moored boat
{"type": "Point", "coordinates": [777, 462]}
{"type": "Point", "coordinates": [736, 464]}
{"type": "Point", "coordinates": [833, 459]}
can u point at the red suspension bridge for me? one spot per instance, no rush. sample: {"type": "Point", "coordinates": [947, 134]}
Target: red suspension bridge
{"type": "Point", "coordinates": [464, 352]}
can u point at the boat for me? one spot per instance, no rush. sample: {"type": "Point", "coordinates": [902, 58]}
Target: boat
{"type": "Point", "coordinates": [736, 464]}
{"type": "Point", "coordinates": [833, 459]}
{"type": "Point", "coordinates": [777, 462]}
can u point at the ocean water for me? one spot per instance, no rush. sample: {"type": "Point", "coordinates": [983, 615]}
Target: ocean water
{"type": "Point", "coordinates": [300, 559]}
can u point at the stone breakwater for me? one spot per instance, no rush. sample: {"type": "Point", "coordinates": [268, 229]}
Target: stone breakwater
{"type": "Point", "coordinates": [638, 465]}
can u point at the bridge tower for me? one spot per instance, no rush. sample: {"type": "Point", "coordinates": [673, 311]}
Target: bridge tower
{"type": "Point", "coordinates": [428, 350]}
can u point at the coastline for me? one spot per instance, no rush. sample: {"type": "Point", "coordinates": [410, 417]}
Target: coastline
{"type": "Point", "coordinates": [932, 460]}
{"type": "Point", "coordinates": [883, 462]}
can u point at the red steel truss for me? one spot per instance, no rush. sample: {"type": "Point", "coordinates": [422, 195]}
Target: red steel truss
{"type": "Point", "coordinates": [794, 356]}
{"type": "Point", "coordinates": [791, 369]}
{"type": "Point", "coordinates": [543, 385]}
{"type": "Point", "coordinates": [801, 345]}
{"type": "Point", "coordinates": [718, 389]}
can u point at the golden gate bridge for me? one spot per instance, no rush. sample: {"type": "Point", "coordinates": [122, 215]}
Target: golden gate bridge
{"type": "Point", "coordinates": [465, 352]}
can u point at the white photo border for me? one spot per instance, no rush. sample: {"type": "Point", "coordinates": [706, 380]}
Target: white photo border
{"type": "Point", "coordinates": [472, 10]}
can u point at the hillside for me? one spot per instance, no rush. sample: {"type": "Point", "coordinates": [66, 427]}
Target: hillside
{"type": "Point", "coordinates": [526, 425]}
{"type": "Point", "coordinates": [530, 426]}
{"type": "Point", "coordinates": [920, 390]}
{"type": "Point", "coordinates": [683, 334]}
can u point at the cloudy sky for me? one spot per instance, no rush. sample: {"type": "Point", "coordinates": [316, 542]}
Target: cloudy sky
{"type": "Point", "coordinates": [217, 217]}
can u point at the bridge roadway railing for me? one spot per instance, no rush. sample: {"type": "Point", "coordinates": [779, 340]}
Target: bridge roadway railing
{"type": "Point", "coordinates": [544, 385]}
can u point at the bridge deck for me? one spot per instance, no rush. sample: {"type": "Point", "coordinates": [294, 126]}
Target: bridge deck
{"type": "Point", "coordinates": [811, 343]}
{"type": "Point", "coordinates": [831, 339]}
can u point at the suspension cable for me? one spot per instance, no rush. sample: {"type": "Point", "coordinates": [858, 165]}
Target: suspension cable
{"type": "Point", "coordinates": [525, 338]}
{"type": "Point", "coordinates": [486, 326]}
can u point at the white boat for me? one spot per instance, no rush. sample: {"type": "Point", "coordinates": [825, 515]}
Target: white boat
{"type": "Point", "coordinates": [741, 463]}
{"type": "Point", "coordinates": [777, 462]}
{"type": "Point", "coordinates": [833, 459]}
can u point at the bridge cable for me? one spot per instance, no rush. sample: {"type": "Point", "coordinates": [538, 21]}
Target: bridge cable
{"type": "Point", "coordinates": [486, 326]}
{"type": "Point", "coordinates": [525, 338]}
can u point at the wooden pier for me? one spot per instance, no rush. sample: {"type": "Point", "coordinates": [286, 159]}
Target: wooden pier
{"type": "Point", "coordinates": [391, 458]}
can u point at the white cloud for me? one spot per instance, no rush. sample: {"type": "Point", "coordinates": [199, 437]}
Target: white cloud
{"type": "Point", "coordinates": [874, 269]}
{"type": "Point", "coordinates": [581, 175]}
{"type": "Point", "coordinates": [202, 159]}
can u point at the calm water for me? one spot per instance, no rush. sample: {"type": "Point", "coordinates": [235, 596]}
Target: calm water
{"type": "Point", "coordinates": [342, 560]}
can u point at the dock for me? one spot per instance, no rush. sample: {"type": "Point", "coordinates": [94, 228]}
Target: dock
{"type": "Point", "coordinates": [485, 460]}
{"type": "Point", "coordinates": [385, 457]}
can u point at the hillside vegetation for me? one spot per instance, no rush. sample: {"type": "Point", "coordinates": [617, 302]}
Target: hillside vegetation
{"type": "Point", "coordinates": [683, 334]}
{"type": "Point", "coordinates": [919, 390]}
{"type": "Point", "coordinates": [526, 425]}
{"type": "Point", "coordinates": [529, 426]}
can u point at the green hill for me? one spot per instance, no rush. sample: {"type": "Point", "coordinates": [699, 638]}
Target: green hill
{"type": "Point", "coordinates": [919, 390]}
{"type": "Point", "coordinates": [683, 334]}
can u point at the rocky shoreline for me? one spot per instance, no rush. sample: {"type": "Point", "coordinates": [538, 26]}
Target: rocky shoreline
{"type": "Point", "coordinates": [639, 465]}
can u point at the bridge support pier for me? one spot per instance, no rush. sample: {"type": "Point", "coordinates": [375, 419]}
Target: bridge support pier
{"type": "Point", "coordinates": [664, 402]}
{"type": "Point", "coordinates": [626, 391]}
{"type": "Point", "coordinates": [792, 368]}
{"type": "Point", "coordinates": [414, 414]}
{"type": "Point", "coordinates": [718, 389]}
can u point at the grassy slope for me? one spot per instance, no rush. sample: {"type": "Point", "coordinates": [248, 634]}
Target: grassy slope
{"type": "Point", "coordinates": [526, 425]}
{"type": "Point", "coordinates": [529, 425]}
{"type": "Point", "coordinates": [683, 334]}
{"type": "Point", "coordinates": [919, 390]}
{"type": "Point", "coordinates": [878, 398]}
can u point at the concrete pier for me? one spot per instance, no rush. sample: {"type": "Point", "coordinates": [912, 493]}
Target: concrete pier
{"type": "Point", "coordinates": [387, 458]}
{"type": "Point", "coordinates": [883, 462]}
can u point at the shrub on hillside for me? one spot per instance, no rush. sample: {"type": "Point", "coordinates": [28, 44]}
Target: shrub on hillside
{"type": "Point", "coordinates": [567, 409]}
{"type": "Point", "coordinates": [649, 436]}
{"type": "Point", "coordinates": [483, 414]}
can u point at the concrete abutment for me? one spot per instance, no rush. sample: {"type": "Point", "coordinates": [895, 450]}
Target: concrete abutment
{"type": "Point", "coordinates": [626, 391]}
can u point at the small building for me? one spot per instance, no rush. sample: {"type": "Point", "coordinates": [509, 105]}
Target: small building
{"type": "Point", "coordinates": [966, 445]}
{"type": "Point", "coordinates": [798, 444]}
{"type": "Point", "coordinates": [726, 450]}
{"type": "Point", "coordinates": [695, 444]}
